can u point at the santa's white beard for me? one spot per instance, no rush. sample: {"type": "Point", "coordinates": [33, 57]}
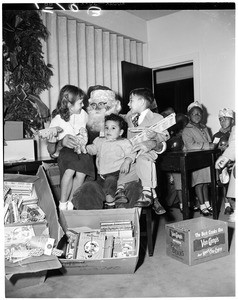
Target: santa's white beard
{"type": "Point", "coordinates": [96, 119]}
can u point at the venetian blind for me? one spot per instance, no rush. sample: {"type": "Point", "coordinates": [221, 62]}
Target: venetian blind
{"type": "Point", "coordinates": [85, 55]}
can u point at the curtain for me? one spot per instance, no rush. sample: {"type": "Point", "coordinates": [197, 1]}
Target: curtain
{"type": "Point", "coordinates": [85, 55]}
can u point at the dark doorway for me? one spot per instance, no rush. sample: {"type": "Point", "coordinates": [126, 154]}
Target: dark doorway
{"type": "Point", "coordinates": [174, 87]}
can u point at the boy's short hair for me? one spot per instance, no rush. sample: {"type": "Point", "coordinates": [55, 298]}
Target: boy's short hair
{"type": "Point", "coordinates": [144, 93]}
{"type": "Point", "coordinates": [116, 118]}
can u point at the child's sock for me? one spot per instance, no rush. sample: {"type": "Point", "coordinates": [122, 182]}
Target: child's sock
{"type": "Point", "coordinates": [181, 206]}
{"type": "Point", "coordinates": [68, 205]}
{"type": "Point", "coordinates": [120, 187]}
{"type": "Point", "coordinates": [147, 190]}
{"type": "Point", "coordinates": [120, 196]}
{"type": "Point", "coordinates": [109, 205]}
{"type": "Point", "coordinates": [203, 206]}
{"type": "Point", "coordinates": [207, 204]}
{"type": "Point", "coordinates": [154, 193]}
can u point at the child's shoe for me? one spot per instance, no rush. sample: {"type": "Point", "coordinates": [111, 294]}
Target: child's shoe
{"type": "Point", "coordinates": [208, 207]}
{"type": "Point", "coordinates": [232, 217]}
{"type": "Point", "coordinates": [158, 208]}
{"type": "Point", "coordinates": [68, 205]}
{"type": "Point", "coordinates": [120, 196]}
{"type": "Point", "coordinates": [204, 211]}
{"type": "Point", "coordinates": [145, 200]}
{"type": "Point", "coordinates": [228, 209]}
{"type": "Point", "coordinates": [109, 205]}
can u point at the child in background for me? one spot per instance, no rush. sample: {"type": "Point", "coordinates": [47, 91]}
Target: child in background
{"type": "Point", "coordinates": [229, 155]}
{"type": "Point", "coordinates": [226, 119]}
{"type": "Point", "coordinates": [113, 156]}
{"type": "Point", "coordinates": [196, 137]}
{"type": "Point", "coordinates": [72, 119]}
{"type": "Point", "coordinates": [140, 116]}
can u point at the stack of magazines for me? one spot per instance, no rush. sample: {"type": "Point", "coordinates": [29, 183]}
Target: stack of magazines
{"type": "Point", "coordinates": [21, 203]}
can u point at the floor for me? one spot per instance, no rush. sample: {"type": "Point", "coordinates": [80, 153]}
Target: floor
{"type": "Point", "coordinates": [156, 276]}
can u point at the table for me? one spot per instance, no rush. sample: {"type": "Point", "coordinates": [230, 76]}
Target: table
{"type": "Point", "coordinates": [185, 162]}
{"type": "Point", "coordinates": [26, 167]}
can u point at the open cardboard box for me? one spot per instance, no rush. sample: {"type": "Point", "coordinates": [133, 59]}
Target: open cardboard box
{"type": "Point", "coordinates": [92, 218]}
{"type": "Point", "coordinates": [32, 271]}
{"type": "Point", "coordinates": [19, 150]}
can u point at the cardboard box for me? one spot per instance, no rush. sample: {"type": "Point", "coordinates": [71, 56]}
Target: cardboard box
{"type": "Point", "coordinates": [53, 175]}
{"type": "Point", "coordinates": [197, 240]}
{"type": "Point", "coordinates": [92, 219]}
{"type": "Point", "coordinates": [19, 281]}
{"type": "Point", "coordinates": [19, 150]}
{"type": "Point", "coordinates": [32, 271]}
{"type": "Point", "coordinates": [13, 130]}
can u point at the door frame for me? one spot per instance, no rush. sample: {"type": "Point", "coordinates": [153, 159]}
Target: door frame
{"type": "Point", "coordinates": [181, 60]}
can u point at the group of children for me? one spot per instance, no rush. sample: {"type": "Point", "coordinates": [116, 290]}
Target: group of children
{"type": "Point", "coordinates": [195, 136]}
{"type": "Point", "coordinates": [118, 161]}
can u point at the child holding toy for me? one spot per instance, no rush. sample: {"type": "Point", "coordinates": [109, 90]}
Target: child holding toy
{"type": "Point", "coordinates": [141, 117]}
{"type": "Point", "coordinates": [73, 162]}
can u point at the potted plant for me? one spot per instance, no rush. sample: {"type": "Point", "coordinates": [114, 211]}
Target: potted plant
{"type": "Point", "coordinates": [25, 73]}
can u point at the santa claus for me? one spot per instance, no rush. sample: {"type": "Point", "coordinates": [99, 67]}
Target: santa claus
{"type": "Point", "coordinates": [102, 101]}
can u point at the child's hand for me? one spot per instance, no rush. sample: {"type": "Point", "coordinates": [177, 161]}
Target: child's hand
{"type": "Point", "coordinates": [125, 167]}
{"type": "Point", "coordinates": [221, 162]}
{"type": "Point", "coordinates": [150, 134]}
{"type": "Point", "coordinates": [50, 134]}
{"type": "Point", "coordinates": [212, 146]}
{"type": "Point", "coordinates": [222, 147]}
{"type": "Point", "coordinates": [89, 150]}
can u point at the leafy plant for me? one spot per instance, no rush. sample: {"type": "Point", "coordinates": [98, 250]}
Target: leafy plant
{"type": "Point", "coordinates": [25, 73]}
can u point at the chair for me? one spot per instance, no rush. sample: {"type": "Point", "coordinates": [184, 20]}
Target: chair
{"type": "Point", "coordinates": [147, 212]}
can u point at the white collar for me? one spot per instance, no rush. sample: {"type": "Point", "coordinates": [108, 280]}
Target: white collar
{"type": "Point", "coordinates": [142, 116]}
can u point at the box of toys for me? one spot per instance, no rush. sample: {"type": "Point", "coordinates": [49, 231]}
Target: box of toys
{"type": "Point", "coordinates": [100, 241]}
{"type": "Point", "coordinates": [31, 229]}
{"type": "Point", "coordinates": [197, 240]}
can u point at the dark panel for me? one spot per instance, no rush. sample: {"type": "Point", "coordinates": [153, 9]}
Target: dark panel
{"type": "Point", "coordinates": [177, 94]}
{"type": "Point", "coordinates": [133, 76]}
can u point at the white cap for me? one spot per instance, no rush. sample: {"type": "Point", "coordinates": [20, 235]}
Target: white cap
{"type": "Point", "coordinates": [194, 104]}
{"type": "Point", "coordinates": [226, 112]}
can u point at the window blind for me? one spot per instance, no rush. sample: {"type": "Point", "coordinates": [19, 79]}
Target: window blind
{"type": "Point", "coordinates": [84, 55]}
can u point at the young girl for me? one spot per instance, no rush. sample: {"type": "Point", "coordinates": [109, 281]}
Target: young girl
{"type": "Point", "coordinates": [196, 137]}
{"type": "Point", "coordinates": [69, 116]}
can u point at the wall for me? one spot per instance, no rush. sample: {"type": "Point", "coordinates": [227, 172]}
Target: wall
{"type": "Point", "coordinates": [118, 21]}
{"type": "Point", "coordinates": [208, 39]}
